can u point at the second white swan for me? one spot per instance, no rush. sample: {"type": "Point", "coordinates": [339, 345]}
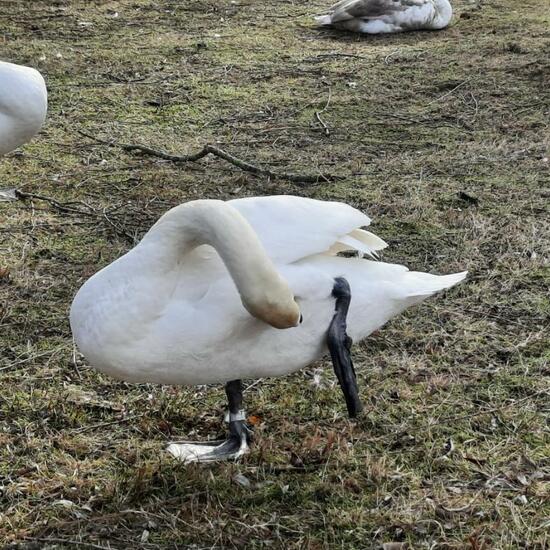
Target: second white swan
{"type": "Point", "coordinates": [388, 16]}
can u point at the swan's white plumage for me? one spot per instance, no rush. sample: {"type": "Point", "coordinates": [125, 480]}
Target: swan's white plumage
{"type": "Point", "coordinates": [388, 16]}
{"type": "Point", "coordinates": [166, 314]}
{"type": "Point", "coordinates": [23, 105]}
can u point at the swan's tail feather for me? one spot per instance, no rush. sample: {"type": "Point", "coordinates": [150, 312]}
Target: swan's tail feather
{"type": "Point", "coordinates": [424, 284]}
{"type": "Point", "coordinates": [324, 20]}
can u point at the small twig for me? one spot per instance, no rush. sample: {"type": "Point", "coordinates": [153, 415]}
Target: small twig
{"type": "Point", "coordinates": [217, 152]}
{"type": "Point", "coordinates": [318, 114]}
{"type": "Point", "coordinates": [131, 239]}
{"type": "Point", "coordinates": [461, 508]}
{"type": "Point", "coordinates": [324, 55]}
{"type": "Point", "coordinates": [286, 16]}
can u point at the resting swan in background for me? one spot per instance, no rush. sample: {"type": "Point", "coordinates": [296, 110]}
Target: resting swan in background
{"type": "Point", "coordinates": [386, 16]}
{"type": "Point", "coordinates": [202, 297]}
{"type": "Point", "coordinates": [23, 105]}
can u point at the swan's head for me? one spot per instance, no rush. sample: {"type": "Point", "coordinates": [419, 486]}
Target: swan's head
{"type": "Point", "coordinates": [275, 306]}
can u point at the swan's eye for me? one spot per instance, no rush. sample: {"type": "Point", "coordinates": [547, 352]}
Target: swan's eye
{"type": "Point", "coordinates": [301, 319]}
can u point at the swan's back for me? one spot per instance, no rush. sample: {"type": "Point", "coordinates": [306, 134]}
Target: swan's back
{"type": "Point", "coordinates": [23, 105]}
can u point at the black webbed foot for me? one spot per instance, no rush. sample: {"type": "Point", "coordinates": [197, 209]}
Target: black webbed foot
{"type": "Point", "coordinates": [235, 446]}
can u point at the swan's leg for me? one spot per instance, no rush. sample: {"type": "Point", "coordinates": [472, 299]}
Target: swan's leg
{"type": "Point", "coordinates": [236, 444]}
{"type": "Point", "coordinates": [339, 345]}
{"type": "Point", "coordinates": [238, 429]}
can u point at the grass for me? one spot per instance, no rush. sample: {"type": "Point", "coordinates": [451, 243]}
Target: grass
{"type": "Point", "coordinates": [453, 451]}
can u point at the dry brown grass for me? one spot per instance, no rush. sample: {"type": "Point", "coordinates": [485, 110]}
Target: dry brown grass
{"type": "Point", "coordinates": [414, 120]}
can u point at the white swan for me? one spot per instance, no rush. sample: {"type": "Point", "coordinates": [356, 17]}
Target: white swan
{"type": "Point", "coordinates": [23, 105]}
{"type": "Point", "coordinates": [171, 310]}
{"type": "Point", "coordinates": [387, 16]}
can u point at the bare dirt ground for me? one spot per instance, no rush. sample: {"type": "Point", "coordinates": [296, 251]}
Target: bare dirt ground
{"type": "Point", "coordinates": [441, 137]}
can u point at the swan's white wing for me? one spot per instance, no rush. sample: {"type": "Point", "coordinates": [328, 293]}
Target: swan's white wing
{"type": "Point", "coordinates": [292, 228]}
{"type": "Point", "coordinates": [351, 9]}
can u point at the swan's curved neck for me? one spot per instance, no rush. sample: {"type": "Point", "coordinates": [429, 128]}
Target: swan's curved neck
{"type": "Point", "coordinates": [264, 293]}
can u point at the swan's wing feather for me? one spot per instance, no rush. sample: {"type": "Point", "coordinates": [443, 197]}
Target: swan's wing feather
{"type": "Point", "coordinates": [351, 9]}
{"type": "Point", "coordinates": [292, 228]}
{"type": "Point", "coordinates": [371, 241]}
{"type": "Point", "coordinates": [359, 240]}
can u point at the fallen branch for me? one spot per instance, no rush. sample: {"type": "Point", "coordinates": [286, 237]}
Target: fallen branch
{"type": "Point", "coordinates": [217, 152]}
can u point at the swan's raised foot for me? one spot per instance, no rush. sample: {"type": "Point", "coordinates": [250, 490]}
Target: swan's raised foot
{"type": "Point", "coordinates": [235, 446]}
{"type": "Point", "coordinates": [339, 345]}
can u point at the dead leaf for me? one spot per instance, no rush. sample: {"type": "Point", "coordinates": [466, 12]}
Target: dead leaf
{"type": "Point", "coordinates": [254, 420]}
